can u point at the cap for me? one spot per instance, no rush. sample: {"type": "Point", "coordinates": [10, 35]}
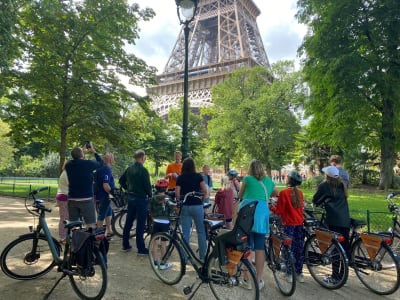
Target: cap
{"type": "Point", "coordinates": [331, 171]}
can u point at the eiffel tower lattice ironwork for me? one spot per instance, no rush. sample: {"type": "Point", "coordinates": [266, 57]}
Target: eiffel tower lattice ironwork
{"type": "Point", "coordinates": [223, 36]}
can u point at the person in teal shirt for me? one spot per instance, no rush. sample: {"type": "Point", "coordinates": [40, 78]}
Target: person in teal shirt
{"type": "Point", "coordinates": [258, 187]}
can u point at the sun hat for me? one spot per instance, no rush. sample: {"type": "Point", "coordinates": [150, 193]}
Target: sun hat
{"type": "Point", "coordinates": [331, 171]}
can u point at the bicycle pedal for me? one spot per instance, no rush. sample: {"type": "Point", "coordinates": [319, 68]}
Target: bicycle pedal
{"type": "Point", "coordinates": [187, 290]}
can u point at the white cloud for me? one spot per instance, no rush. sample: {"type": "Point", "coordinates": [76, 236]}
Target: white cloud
{"type": "Point", "coordinates": [279, 30]}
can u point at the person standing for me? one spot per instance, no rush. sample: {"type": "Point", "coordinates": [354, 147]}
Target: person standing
{"type": "Point", "coordinates": [235, 186]}
{"type": "Point", "coordinates": [336, 161]}
{"type": "Point", "coordinates": [137, 180]}
{"type": "Point", "coordinates": [105, 187]}
{"type": "Point", "coordinates": [258, 187]}
{"type": "Point", "coordinates": [224, 201]}
{"type": "Point", "coordinates": [208, 181]}
{"type": "Point", "coordinates": [62, 203]}
{"type": "Point", "coordinates": [192, 209]}
{"type": "Point", "coordinates": [290, 207]}
{"type": "Point", "coordinates": [332, 195]}
{"type": "Point", "coordinates": [173, 171]}
{"type": "Point", "coordinates": [80, 188]}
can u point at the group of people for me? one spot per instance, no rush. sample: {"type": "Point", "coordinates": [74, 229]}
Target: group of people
{"type": "Point", "coordinates": [75, 194]}
{"type": "Point", "coordinates": [257, 186]}
{"type": "Point", "coordinates": [75, 200]}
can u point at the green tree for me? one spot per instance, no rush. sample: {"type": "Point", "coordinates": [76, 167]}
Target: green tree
{"type": "Point", "coordinates": [353, 70]}
{"type": "Point", "coordinates": [251, 114]}
{"type": "Point", "coordinates": [6, 148]}
{"type": "Point", "coordinates": [69, 85]}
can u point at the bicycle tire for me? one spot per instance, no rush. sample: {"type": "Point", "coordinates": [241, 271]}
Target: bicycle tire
{"type": "Point", "coordinates": [92, 284]}
{"type": "Point", "coordinates": [283, 269]}
{"type": "Point", "coordinates": [167, 262]}
{"type": "Point", "coordinates": [118, 223]}
{"type": "Point", "coordinates": [19, 262]}
{"type": "Point", "coordinates": [321, 265]}
{"type": "Point", "coordinates": [382, 276]}
{"type": "Point", "coordinates": [225, 287]}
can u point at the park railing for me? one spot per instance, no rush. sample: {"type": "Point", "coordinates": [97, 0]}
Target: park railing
{"type": "Point", "coordinates": [22, 186]}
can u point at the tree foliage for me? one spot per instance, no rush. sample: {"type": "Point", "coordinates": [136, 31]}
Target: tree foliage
{"type": "Point", "coordinates": [352, 65]}
{"type": "Point", "coordinates": [67, 85]}
{"type": "Point", "coordinates": [251, 114]}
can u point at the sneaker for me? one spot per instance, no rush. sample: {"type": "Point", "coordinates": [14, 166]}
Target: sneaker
{"type": "Point", "coordinates": [261, 284]}
{"type": "Point", "coordinates": [300, 277]}
{"type": "Point", "coordinates": [245, 284]}
{"type": "Point", "coordinates": [145, 251]}
{"type": "Point", "coordinates": [129, 248]}
{"type": "Point", "coordinates": [164, 266]}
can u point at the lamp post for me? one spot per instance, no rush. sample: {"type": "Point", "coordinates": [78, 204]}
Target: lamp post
{"type": "Point", "coordinates": [186, 10]}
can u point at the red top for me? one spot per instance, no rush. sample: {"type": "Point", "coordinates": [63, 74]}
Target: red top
{"type": "Point", "coordinates": [224, 202]}
{"type": "Point", "coordinates": [290, 216]}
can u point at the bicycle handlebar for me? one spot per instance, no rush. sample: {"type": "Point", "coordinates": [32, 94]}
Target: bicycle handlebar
{"type": "Point", "coordinates": [393, 207]}
{"type": "Point", "coordinates": [38, 190]}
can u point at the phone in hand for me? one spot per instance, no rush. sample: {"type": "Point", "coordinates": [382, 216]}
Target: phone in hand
{"type": "Point", "coordinates": [87, 145]}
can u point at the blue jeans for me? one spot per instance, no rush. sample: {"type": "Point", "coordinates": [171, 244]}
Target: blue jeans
{"type": "Point", "coordinates": [137, 209]}
{"type": "Point", "coordinates": [196, 213]}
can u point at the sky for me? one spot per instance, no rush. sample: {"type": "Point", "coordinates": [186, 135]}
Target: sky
{"type": "Point", "coordinates": [279, 29]}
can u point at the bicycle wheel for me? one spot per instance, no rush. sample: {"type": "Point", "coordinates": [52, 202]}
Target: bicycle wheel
{"type": "Point", "coordinates": [241, 285]}
{"type": "Point", "coordinates": [90, 284]}
{"type": "Point", "coordinates": [118, 223]}
{"type": "Point", "coordinates": [282, 266]}
{"type": "Point", "coordinates": [166, 258]}
{"type": "Point", "coordinates": [395, 240]}
{"type": "Point", "coordinates": [28, 257]}
{"type": "Point", "coordinates": [382, 274]}
{"type": "Point", "coordinates": [329, 269]}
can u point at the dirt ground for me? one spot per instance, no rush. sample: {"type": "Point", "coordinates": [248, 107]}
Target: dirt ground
{"type": "Point", "coordinates": [130, 275]}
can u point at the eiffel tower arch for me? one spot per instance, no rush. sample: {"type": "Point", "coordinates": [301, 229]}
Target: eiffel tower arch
{"type": "Point", "coordinates": [223, 36]}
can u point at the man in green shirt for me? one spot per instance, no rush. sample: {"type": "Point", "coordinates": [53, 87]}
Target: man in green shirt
{"type": "Point", "coordinates": [136, 180]}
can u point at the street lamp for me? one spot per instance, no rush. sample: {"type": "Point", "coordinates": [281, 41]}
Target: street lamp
{"type": "Point", "coordinates": [186, 10]}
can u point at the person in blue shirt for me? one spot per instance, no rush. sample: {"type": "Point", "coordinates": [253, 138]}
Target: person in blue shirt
{"type": "Point", "coordinates": [105, 188]}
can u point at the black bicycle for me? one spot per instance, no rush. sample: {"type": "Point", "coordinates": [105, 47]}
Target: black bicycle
{"type": "Point", "coordinates": [394, 230]}
{"type": "Point", "coordinates": [34, 254]}
{"type": "Point", "coordinates": [280, 258]}
{"type": "Point", "coordinates": [375, 263]}
{"type": "Point", "coordinates": [226, 268]}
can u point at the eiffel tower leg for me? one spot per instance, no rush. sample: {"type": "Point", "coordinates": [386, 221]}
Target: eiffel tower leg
{"type": "Point", "coordinates": [185, 123]}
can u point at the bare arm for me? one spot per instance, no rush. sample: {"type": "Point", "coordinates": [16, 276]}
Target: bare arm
{"type": "Point", "coordinates": [241, 191]}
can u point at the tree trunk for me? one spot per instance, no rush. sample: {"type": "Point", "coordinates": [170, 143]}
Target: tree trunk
{"type": "Point", "coordinates": [387, 145]}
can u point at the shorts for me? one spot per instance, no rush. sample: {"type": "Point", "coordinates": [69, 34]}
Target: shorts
{"type": "Point", "coordinates": [105, 209]}
{"type": "Point", "coordinates": [160, 227]}
{"type": "Point", "coordinates": [82, 210]}
{"type": "Point", "coordinates": [257, 241]}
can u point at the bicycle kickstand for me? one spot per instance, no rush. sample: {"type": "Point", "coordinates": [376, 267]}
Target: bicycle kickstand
{"type": "Point", "coordinates": [54, 286]}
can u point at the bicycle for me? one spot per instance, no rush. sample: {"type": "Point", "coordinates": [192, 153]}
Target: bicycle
{"type": "Point", "coordinates": [394, 231]}
{"type": "Point", "coordinates": [280, 258]}
{"type": "Point", "coordinates": [323, 254]}
{"type": "Point", "coordinates": [375, 263]}
{"type": "Point", "coordinates": [225, 272]}
{"type": "Point", "coordinates": [35, 254]}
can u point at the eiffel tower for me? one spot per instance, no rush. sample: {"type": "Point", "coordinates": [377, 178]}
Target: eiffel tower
{"type": "Point", "coordinates": [223, 36]}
